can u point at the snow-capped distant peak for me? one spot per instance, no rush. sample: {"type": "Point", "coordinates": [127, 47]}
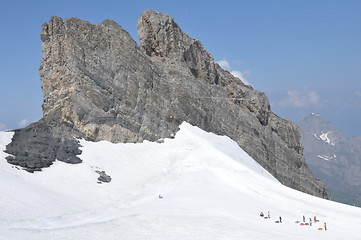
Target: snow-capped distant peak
{"type": "Point", "coordinates": [327, 158]}
{"type": "Point", "coordinates": [324, 137]}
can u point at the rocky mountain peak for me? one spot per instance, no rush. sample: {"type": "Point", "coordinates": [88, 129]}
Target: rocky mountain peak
{"type": "Point", "coordinates": [161, 38]}
{"type": "Point", "coordinates": [313, 124]}
{"type": "Point", "coordinates": [99, 84]}
{"type": "Point", "coordinates": [333, 158]}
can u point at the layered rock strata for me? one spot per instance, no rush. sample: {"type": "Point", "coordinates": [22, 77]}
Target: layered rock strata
{"type": "Point", "coordinates": [98, 83]}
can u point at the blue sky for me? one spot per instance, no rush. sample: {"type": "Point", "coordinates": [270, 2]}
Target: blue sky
{"type": "Point", "coordinates": [305, 55]}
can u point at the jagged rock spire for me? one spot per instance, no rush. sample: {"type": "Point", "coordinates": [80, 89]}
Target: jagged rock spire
{"type": "Point", "coordinates": [100, 85]}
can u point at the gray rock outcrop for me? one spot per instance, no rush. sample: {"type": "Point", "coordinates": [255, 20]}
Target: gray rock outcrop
{"type": "Point", "coordinates": [101, 85]}
{"type": "Point", "coordinates": [103, 177]}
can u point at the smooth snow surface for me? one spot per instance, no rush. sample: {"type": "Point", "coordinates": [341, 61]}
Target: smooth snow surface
{"type": "Point", "coordinates": [211, 190]}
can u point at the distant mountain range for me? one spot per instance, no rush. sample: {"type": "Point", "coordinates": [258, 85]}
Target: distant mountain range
{"type": "Point", "coordinates": [333, 158]}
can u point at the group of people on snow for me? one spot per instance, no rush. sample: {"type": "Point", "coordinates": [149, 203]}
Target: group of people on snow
{"type": "Point", "coordinates": [303, 218]}
{"type": "Point", "coordinates": [268, 215]}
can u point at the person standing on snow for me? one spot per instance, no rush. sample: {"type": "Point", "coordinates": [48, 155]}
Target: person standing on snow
{"type": "Point", "coordinates": [310, 221]}
{"type": "Point", "coordinates": [269, 216]}
{"type": "Point", "coordinates": [304, 219]}
{"type": "Point", "coordinates": [324, 224]}
{"type": "Point", "coordinates": [280, 219]}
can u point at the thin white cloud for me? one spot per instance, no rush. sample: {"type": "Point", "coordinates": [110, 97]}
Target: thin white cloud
{"type": "Point", "coordinates": [23, 123]}
{"type": "Point", "coordinates": [224, 64]}
{"type": "Point", "coordinates": [2, 126]}
{"type": "Point", "coordinates": [358, 93]}
{"type": "Point", "coordinates": [301, 99]}
{"type": "Point", "coordinates": [238, 74]}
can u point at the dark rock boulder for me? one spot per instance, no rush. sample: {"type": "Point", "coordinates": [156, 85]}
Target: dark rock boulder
{"type": "Point", "coordinates": [41, 143]}
{"type": "Point", "coordinates": [103, 177]}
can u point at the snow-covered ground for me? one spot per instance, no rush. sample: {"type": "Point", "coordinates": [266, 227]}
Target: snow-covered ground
{"type": "Point", "coordinates": [211, 190]}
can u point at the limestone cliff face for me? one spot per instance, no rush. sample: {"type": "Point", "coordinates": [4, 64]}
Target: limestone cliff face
{"type": "Point", "coordinates": [99, 84]}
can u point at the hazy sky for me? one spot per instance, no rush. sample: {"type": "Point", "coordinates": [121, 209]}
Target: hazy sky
{"type": "Point", "coordinates": [305, 55]}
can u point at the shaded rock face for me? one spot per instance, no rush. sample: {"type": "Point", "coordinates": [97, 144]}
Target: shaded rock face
{"type": "Point", "coordinates": [38, 145]}
{"type": "Point", "coordinates": [103, 86]}
{"type": "Point", "coordinates": [333, 158]}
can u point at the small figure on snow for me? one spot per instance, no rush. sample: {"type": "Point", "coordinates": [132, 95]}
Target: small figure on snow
{"type": "Point", "coordinates": [310, 221]}
{"type": "Point", "coordinates": [261, 214]}
{"type": "Point", "coordinates": [304, 219]}
{"type": "Point", "coordinates": [314, 219]}
{"type": "Point", "coordinates": [280, 219]}
{"type": "Point", "coordinates": [324, 224]}
{"type": "Point", "coordinates": [160, 196]}
{"type": "Point", "coordinates": [269, 216]}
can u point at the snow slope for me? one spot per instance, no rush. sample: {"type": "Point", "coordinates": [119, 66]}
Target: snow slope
{"type": "Point", "coordinates": [211, 189]}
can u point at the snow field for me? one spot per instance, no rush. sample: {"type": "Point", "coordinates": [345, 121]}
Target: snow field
{"type": "Point", "coordinates": [212, 189]}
